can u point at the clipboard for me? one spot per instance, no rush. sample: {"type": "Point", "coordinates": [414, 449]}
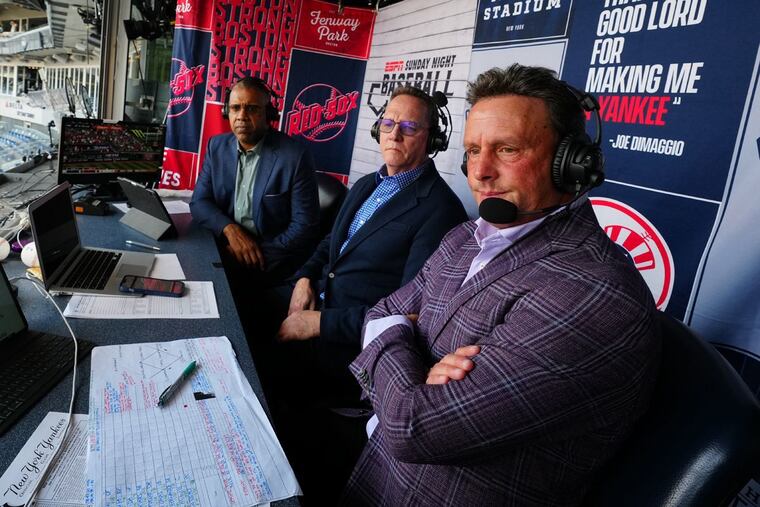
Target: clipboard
{"type": "Point", "coordinates": [147, 214]}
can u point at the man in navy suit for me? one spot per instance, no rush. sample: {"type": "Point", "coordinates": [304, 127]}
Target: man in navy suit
{"type": "Point", "coordinates": [388, 225]}
{"type": "Point", "coordinates": [257, 191]}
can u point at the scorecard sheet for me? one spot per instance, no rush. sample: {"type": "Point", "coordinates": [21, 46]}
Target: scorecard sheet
{"type": "Point", "coordinates": [211, 445]}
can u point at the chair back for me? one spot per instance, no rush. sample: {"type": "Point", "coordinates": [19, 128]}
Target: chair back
{"type": "Point", "coordinates": [699, 441]}
{"type": "Point", "coordinates": [331, 195]}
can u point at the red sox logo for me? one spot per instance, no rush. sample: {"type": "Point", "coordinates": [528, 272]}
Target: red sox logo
{"type": "Point", "coordinates": [182, 86]}
{"type": "Point", "coordinates": [643, 242]}
{"type": "Point", "coordinates": [320, 112]}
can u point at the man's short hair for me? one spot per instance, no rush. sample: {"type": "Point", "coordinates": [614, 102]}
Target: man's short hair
{"type": "Point", "coordinates": [253, 83]}
{"type": "Point", "coordinates": [565, 112]}
{"type": "Point", "coordinates": [432, 111]}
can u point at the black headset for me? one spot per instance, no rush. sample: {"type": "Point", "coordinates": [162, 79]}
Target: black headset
{"type": "Point", "coordinates": [438, 138]}
{"type": "Point", "coordinates": [254, 82]}
{"type": "Point", "coordinates": [578, 163]}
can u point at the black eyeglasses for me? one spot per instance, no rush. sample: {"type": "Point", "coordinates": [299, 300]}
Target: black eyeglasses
{"type": "Point", "coordinates": [248, 108]}
{"type": "Point", "coordinates": [408, 128]}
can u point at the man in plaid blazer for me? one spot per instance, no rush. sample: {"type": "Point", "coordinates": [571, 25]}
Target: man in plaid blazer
{"type": "Point", "coordinates": [518, 359]}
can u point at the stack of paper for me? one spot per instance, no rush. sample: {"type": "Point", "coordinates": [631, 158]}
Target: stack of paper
{"type": "Point", "coordinates": [64, 481]}
{"type": "Point", "coordinates": [198, 302]}
{"type": "Point", "coordinates": [211, 445]}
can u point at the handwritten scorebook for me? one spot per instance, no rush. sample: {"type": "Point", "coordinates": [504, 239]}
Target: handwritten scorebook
{"type": "Point", "coordinates": [211, 445]}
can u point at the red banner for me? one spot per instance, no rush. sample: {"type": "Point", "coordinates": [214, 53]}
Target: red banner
{"type": "Point", "coordinates": [219, 42]}
{"type": "Point", "coordinates": [323, 28]}
{"type": "Point", "coordinates": [193, 14]}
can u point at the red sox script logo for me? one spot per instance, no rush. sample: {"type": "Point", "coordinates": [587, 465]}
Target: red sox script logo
{"type": "Point", "coordinates": [643, 242]}
{"type": "Point", "coordinates": [183, 86]}
{"type": "Point", "coordinates": [320, 112]}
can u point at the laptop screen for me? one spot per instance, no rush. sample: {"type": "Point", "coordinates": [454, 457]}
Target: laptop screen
{"type": "Point", "coordinates": [55, 230]}
{"type": "Point", "coordinates": [11, 319]}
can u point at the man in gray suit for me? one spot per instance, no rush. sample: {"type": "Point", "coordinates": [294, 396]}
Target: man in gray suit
{"type": "Point", "coordinates": [513, 365]}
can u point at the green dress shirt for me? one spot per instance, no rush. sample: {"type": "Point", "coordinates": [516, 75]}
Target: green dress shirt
{"type": "Point", "coordinates": [248, 163]}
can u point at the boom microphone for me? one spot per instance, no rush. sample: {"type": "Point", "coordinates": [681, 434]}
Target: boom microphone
{"type": "Point", "coordinates": [499, 211]}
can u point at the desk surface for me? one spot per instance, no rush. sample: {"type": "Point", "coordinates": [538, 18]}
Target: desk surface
{"type": "Point", "coordinates": [199, 258]}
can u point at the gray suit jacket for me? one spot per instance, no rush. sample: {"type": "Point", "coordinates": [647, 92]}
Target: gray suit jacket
{"type": "Point", "coordinates": [569, 352]}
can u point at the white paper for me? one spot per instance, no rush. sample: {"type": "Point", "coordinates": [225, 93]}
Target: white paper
{"type": "Point", "coordinates": [176, 207]}
{"type": "Point", "coordinates": [166, 193]}
{"type": "Point", "coordinates": [198, 302]}
{"type": "Point", "coordinates": [65, 482]}
{"type": "Point", "coordinates": [173, 207]}
{"type": "Point", "coordinates": [167, 266]}
{"type": "Point", "coordinates": [211, 445]}
{"type": "Point", "coordinates": [121, 206]}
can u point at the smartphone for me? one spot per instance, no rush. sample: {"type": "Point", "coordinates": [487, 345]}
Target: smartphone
{"type": "Point", "coordinates": [151, 286]}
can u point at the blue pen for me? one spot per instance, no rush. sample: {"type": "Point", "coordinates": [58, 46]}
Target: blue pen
{"type": "Point", "coordinates": [169, 391]}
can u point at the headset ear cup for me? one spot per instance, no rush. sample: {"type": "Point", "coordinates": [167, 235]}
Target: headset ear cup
{"type": "Point", "coordinates": [463, 167]}
{"type": "Point", "coordinates": [577, 165]}
{"type": "Point", "coordinates": [226, 106]}
{"type": "Point", "coordinates": [374, 131]}
{"type": "Point", "coordinates": [586, 164]}
{"type": "Point", "coordinates": [560, 162]}
{"type": "Point", "coordinates": [596, 175]}
{"type": "Point", "coordinates": [272, 114]}
{"type": "Point", "coordinates": [436, 141]}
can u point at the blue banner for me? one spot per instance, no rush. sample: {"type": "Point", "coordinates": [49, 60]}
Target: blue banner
{"type": "Point", "coordinates": [520, 20]}
{"type": "Point", "coordinates": [322, 106]}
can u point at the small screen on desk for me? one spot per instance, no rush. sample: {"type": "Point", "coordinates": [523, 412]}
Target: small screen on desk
{"type": "Point", "coordinates": [55, 231]}
{"type": "Point", "coordinates": [11, 321]}
{"type": "Point", "coordinates": [98, 151]}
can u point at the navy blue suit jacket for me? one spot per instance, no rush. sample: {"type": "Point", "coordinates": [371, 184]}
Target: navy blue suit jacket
{"type": "Point", "coordinates": [285, 202]}
{"type": "Point", "coordinates": [384, 254]}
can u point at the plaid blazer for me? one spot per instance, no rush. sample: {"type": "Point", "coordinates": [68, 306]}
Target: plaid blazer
{"type": "Point", "coordinates": [569, 353]}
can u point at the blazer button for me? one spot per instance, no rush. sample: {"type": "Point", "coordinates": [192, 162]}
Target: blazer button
{"type": "Point", "coordinates": [331, 275]}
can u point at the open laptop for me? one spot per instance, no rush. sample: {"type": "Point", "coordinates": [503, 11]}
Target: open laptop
{"type": "Point", "coordinates": [67, 266]}
{"type": "Point", "coordinates": [31, 362]}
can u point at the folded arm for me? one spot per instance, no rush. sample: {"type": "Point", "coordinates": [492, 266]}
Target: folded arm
{"type": "Point", "coordinates": [515, 392]}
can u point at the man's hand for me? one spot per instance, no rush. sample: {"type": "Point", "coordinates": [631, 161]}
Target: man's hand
{"type": "Point", "coordinates": [300, 325]}
{"type": "Point", "coordinates": [454, 366]}
{"type": "Point", "coordinates": [302, 297]}
{"type": "Point", "coordinates": [243, 247]}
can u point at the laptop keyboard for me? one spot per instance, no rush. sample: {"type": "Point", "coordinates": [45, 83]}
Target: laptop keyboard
{"type": "Point", "coordinates": [32, 370]}
{"type": "Point", "coordinates": [92, 270]}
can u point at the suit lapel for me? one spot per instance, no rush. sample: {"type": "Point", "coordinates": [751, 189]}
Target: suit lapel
{"type": "Point", "coordinates": [530, 248]}
{"type": "Point", "coordinates": [264, 171]}
{"type": "Point", "coordinates": [399, 204]}
{"type": "Point", "coordinates": [229, 169]}
{"type": "Point", "coordinates": [361, 191]}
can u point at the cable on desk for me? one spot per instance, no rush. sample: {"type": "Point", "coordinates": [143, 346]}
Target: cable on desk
{"type": "Point", "coordinates": [43, 476]}
{"type": "Point", "coordinates": [22, 187]}
{"type": "Point", "coordinates": [12, 221]}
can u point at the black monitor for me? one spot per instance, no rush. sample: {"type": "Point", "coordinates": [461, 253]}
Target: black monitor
{"type": "Point", "coordinates": [96, 152]}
